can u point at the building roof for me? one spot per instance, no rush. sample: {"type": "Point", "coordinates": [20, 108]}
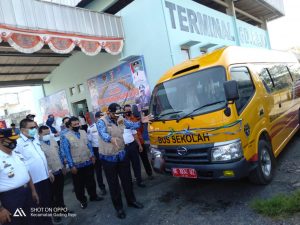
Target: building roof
{"type": "Point", "coordinates": [36, 36]}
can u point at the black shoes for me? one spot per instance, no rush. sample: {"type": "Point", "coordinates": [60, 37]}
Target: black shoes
{"type": "Point", "coordinates": [121, 214]}
{"type": "Point", "coordinates": [83, 205]}
{"type": "Point", "coordinates": [150, 177]}
{"type": "Point", "coordinates": [96, 199]}
{"type": "Point", "coordinates": [103, 191]}
{"type": "Point", "coordinates": [141, 185]}
{"type": "Point", "coordinates": [136, 205]}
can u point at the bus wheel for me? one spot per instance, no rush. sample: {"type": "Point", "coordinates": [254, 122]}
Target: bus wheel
{"type": "Point", "coordinates": [264, 171]}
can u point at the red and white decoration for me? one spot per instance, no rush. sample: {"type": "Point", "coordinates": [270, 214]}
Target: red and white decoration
{"type": "Point", "coordinates": [29, 42]}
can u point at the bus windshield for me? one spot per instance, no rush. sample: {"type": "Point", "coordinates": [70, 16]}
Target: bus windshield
{"type": "Point", "coordinates": [196, 93]}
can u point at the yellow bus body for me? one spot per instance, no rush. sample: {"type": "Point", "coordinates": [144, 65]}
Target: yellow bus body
{"type": "Point", "coordinates": [270, 115]}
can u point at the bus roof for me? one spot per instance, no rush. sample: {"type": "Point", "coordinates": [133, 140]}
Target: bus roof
{"type": "Point", "coordinates": [227, 56]}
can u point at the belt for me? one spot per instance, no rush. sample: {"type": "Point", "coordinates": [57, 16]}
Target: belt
{"type": "Point", "coordinates": [16, 189]}
{"type": "Point", "coordinates": [131, 143]}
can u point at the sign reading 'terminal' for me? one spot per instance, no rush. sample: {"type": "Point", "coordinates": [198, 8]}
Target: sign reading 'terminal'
{"type": "Point", "coordinates": [195, 19]}
{"type": "Point", "coordinates": [195, 22]}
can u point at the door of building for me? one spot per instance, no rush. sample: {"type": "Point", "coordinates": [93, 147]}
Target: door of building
{"type": "Point", "coordinates": [79, 106]}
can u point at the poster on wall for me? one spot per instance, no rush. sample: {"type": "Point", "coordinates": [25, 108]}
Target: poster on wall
{"type": "Point", "coordinates": [2, 124]}
{"type": "Point", "coordinates": [124, 84]}
{"type": "Point", "coordinates": [55, 104]}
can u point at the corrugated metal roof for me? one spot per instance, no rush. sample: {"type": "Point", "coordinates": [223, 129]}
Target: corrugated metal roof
{"type": "Point", "coordinates": [40, 15]}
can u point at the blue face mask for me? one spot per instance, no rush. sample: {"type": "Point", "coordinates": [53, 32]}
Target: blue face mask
{"type": "Point", "coordinates": [32, 132]}
{"type": "Point", "coordinates": [137, 68]}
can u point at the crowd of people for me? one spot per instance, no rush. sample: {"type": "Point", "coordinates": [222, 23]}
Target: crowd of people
{"type": "Point", "coordinates": [34, 161]}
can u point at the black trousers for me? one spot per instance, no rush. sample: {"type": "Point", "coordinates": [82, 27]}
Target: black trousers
{"type": "Point", "coordinates": [19, 198]}
{"type": "Point", "coordinates": [43, 189]}
{"type": "Point", "coordinates": [98, 169]}
{"type": "Point", "coordinates": [132, 151]}
{"type": "Point", "coordinates": [114, 171]}
{"type": "Point", "coordinates": [84, 179]}
{"type": "Point", "coordinates": [57, 191]}
{"type": "Point", "coordinates": [145, 160]}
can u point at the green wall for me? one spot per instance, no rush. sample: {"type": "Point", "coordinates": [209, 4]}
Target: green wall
{"type": "Point", "coordinates": [76, 70]}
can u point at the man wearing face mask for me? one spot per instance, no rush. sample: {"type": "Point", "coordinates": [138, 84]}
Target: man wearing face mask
{"type": "Point", "coordinates": [133, 146]}
{"type": "Point", "coordinates": [80, 157]}
{"type": "Point", "coordinates": [135, 115]}
{"type": "Point", "coordinates": [54, 131]}
{"type": "Point", "coordinates": [55, 159]}
{"type": "Point", "coordinates": [93, 137]}
{"type": "Point", "coordinates": [31, 117]}
{"type": "Point", "coordinates": [115, 159]}
{"type": "Point", "coordinates": [35, 160]}
{"type": "Point", "coordinates": [16, 188]}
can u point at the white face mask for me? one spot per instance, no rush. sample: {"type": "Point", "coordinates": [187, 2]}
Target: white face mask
{"type": "Point", "coordinates": [46, 137]}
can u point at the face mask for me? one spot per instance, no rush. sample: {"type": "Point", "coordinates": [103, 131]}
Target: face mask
{"type": "Point", "coordinates": [32, 132]}
{"type": "Point", "coordinates": [46, 137]}
{"type": "Point", "coordinates": [76, 129]}
{"type": "Point", "coordinates": [137, 68]}
{"type": "Point", "coordinates": [11, 145]}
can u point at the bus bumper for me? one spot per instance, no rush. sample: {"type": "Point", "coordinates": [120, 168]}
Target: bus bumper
{"type": "Point", "coordinates": [214, 171]}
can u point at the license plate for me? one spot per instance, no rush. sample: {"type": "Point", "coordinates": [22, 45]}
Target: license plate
{"type": "Point", "coordinates": [184, 172]}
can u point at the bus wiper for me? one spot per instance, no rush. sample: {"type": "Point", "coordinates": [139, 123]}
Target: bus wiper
{"type": "Point", "coordinates": [169, 113]}
{"type": "Point", "coordinates": [194, 110]}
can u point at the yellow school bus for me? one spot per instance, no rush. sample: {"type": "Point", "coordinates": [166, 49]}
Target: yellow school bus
{"type": "Point", "coordinates": [225, 115]}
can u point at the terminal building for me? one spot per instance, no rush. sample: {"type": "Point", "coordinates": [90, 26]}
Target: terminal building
{"type": "Point", "coordinates": [86, 54]}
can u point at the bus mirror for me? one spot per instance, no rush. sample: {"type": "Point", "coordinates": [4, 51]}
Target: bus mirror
{"type": "Point", "coordinates": [231, 90]}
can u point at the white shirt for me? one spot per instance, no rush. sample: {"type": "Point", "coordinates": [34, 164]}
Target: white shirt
{"type": "Point", "coordinates": [82, 120]}
{"type": "Point", "coordinates": [13, 172]}
{"type": "Point", "coordinates": [128, 135]}
{"type": "Point", "coordinates": [139, 77]}
{"type": "Point", "coordinates": [93, 135]}
{"type": "Point", "coordinates": [34, 158]}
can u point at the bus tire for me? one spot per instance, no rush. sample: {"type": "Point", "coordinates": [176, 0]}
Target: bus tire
{"type": "Point", "coordinates": [264, 172]}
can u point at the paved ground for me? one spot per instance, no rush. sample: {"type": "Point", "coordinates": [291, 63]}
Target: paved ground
{"type": "Point", "coordinates": [175, 201]}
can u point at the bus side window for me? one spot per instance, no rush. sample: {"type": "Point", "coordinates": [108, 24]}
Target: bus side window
{"type": "Point", "coordinates": [245, 86]}
{"type": "Point", "coordinates": [280, 76]}
{"type": "Point", "coordinates": [266, 79]}
{"type": "Point", "coordinates": [295, 71]}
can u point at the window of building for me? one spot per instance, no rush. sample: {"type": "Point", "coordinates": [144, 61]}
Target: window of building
{"type": "Point", "coordinates": [186, 53]}
{"type": "Point", "coordinates": [80, 88]}
{"type": "Point", "coordinates": [245, 86]}
{"type": "Point", "coordinates": [72, 91]}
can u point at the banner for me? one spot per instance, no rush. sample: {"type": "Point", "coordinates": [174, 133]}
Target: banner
{"type": "Point", "coordinates": [2, 124]}
{"type": "Point", "coordinates": [124, 84]}
{"type": "Point", "coordinates": [55, 104]}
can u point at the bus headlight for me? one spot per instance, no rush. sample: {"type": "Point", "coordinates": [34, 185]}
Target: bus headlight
{"type": "Point", "coordinates": [227, 151]}
{"type": "Point", "coordinates": [157, 160]}
{"type": "Point", "coordinates": [155, 152]}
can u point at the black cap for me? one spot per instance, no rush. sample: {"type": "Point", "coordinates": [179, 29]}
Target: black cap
{"type": "Point", "coordinates": [98, 114]}
{"type": "Point", "coordinates": [136, 63]}
{"type": "Point", "coordinates": [114, 107]}
{"type": "Point", "coordinates": [8, 133]}
{"type": "Point", "coordinates": [29, 115]}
